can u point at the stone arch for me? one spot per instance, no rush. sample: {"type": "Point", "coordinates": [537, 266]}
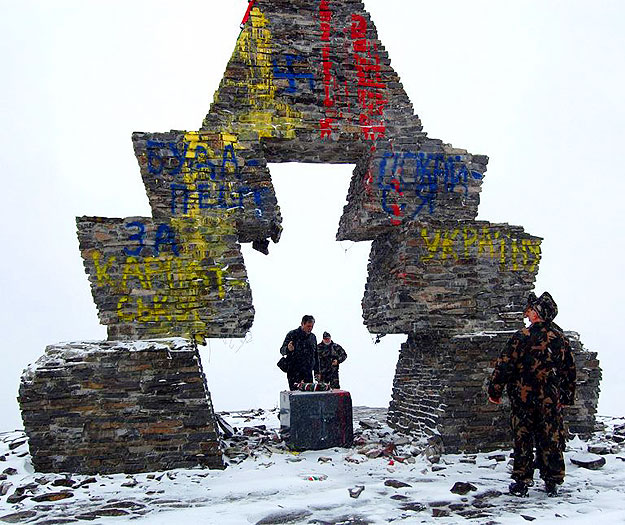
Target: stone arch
{"type": "Point", "coordinates": [311, 82]}
{"type": "Point", "coordinates": [307, 82]}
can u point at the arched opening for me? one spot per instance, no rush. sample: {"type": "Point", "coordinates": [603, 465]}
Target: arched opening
{"type": "Point", "coordinates": [307, 272]}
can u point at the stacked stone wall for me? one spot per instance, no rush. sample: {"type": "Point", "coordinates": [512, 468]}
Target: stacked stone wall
{"type": "Point", "coordinates": [440, 391]}
{"type": "Point", "coordinates": [458, 276]}
{"type": "Point", "coordinates": [181, 276]}
{"type": "Point", "coordinates": [119, 407]}
{"type": "Point", "coordinates": [581, 416]}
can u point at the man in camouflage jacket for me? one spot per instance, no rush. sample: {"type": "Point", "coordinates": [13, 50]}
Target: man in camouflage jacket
{"type": "Point", "coordinates": [331, 355]}
{"type": "Point", "coordinates": [538, 371]}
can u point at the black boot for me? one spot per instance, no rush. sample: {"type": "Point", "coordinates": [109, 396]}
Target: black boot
{"type": "Point", "coordinates": [518, 488]}
{"type": "Point", "coordinates": [551, 488]}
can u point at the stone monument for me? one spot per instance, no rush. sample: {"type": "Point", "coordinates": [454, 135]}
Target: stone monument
{"type": "Point", "coordinates": [308, 81]}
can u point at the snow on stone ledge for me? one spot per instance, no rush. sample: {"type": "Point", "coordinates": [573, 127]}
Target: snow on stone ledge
{"type": "Point", "coordinates": [77, 351]}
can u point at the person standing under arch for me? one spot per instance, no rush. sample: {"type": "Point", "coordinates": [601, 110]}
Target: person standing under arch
{"type": "Point", "coordinates": [331, 355]}
{"type": "Point", "coordinates": [300, 350]}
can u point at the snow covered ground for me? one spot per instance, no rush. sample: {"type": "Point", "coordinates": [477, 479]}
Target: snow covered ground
{"type": "Point", "coordinates": [384, 478]}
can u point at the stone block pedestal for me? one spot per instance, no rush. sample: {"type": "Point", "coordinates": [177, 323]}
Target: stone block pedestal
{"type": "Point", "coordinates": [107, 407]}
{"type": "Point", "coordinates": [316, 420]}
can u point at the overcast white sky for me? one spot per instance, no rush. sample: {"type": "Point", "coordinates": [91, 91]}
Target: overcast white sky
{"type": "Point", "coordinates": [535, 85]}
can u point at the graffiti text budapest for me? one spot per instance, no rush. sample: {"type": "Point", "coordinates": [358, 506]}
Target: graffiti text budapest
{"type": "Point", "coordinates": [203, 181]}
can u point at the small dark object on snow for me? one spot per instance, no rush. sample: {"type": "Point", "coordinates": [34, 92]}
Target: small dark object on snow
{"type": "Point", "coordinates": [17, 517]}
{"type": "Point", "coordinates": [287, 516]}
{"type": "Point", "coordinates": [369, 424]}
{"type": "Point", "coordinates": [462, 488]}
{"type": "Point", "coordinates": [601, 450]}
{"type": "Point", "coordinates": [130, 483]}
{"type": "Point", "coordinates": [86, 482]}
{"type": "Point", "coordinates": [528, 518]}
{"type": "Point", "coordinates": [225, 426]}
{"type": "Point", "coordinates": [356, 491]}
{"type": "Point", "coordinates": [17, 496]}
{"type": "Point", "coordinates": [589, 461]}
{"type": "Point", "coordinates": [488, 494]}
{"type": "Point", "coordinates": [63, 482]}
{"type": "Point", "coordinates": [396, 484]}
{"type": "Point", "coordinates": [15, 444]}
{"type": "Point", "coordinates": [53, 496]}
{"type": "Point", "coordinates": [416, 507]}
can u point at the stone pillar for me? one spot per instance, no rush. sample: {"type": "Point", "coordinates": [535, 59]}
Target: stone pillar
{"type": "Point", "coordinates": [107, 407]}
{"type": "Point", "coordinates": [439, 391]}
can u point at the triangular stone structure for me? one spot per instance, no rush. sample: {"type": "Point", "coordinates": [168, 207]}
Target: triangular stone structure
{"type": "Point", "coordinates": [309, 81]}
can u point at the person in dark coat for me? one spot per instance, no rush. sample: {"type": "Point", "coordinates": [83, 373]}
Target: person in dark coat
{"type": "Point", "coordinates": [331, 355]}
{"type": "Point", "coordinates": [538, 371]}
{"type": "Point", "coordinates": [300, 350]}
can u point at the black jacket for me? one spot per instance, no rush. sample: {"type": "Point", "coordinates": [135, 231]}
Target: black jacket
{"type": "Point", "coordinates": [304, 357]}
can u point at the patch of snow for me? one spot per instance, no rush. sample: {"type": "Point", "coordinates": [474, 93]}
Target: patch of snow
{"type": "Point", "coordinates": [270, 484]}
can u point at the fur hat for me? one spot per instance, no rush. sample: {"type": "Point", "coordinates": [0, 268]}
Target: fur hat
{"type": "Point", "coordinates": [544, 305]}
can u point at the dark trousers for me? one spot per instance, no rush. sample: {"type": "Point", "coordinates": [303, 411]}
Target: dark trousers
{"type": "Point", "coordinates": [297, 375]}
{"type": "Point", "coordinates": [540, 426]}
{"type": "Point", "coordinates": [332, 378]}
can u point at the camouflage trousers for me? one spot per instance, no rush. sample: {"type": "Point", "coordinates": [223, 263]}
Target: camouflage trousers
{"type": "Point", "coordinates": [332, 378]}
{"type": "Point", "coordinates": [541, 427]}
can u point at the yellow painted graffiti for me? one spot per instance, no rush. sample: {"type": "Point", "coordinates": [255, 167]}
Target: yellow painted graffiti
{"type": "Point", "coordinates": [170, 273]}
{"type": "Point", "coordinates": [154, 309]}
{"type": "Point", "coordinates": [101, 270]}
{"type": "Point", "coordinates": [181, 287]}
{"type": "Point", "coordinates": [268, 117]}
{"type": "Point", "coordinates": [169, 288]}
{"type": "Point", "coordinates": [466, 242]}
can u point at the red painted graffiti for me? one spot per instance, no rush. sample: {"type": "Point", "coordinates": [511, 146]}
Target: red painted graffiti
{"type": "Point", "coordinates": [329, 80]}
{"type": "Point", "coordinates": [371, 88]}
{"type": "Point", "coordinates": [397, 213]}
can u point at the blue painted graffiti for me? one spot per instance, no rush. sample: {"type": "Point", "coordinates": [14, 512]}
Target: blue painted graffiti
{"type": "Point", "coordinates": [206, 196]}
{"type": "Point", "coordinates": [290, 73]}
{"type": "Point", "coordinates": [136, 237]}
{"type": "Point", "coordinates": [164, 236]}
{"type": "Point", "coordinates": [200, 161]}
{"type": "Point", "coordinates": [423, 175]}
